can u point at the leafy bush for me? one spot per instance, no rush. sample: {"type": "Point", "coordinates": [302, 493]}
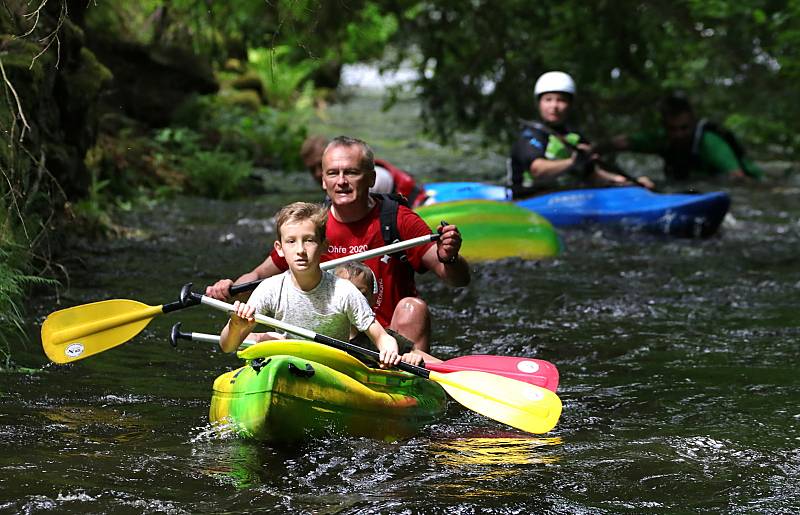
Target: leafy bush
{"type": "Point", "coordinates": [267, 137]}
{"type": "Point", "coordinates": [478, 63]}
{"type": "Point", "coordinates": [215, 173]}
{"type": "Point", "coordinates": [13, 280]}
{"type": "Point", "coordinates": [283, 79]}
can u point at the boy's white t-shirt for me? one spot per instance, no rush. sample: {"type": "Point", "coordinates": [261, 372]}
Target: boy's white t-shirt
{"type": "Point", "coordinates": [329, 308]}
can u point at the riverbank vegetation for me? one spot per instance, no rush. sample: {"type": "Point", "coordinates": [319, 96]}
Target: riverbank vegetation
{"type": "Point", "coordinates": [737, 61]}
{"type": "Point", "coordinates": [107, 105]}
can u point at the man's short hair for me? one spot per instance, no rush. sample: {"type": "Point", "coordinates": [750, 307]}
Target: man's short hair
{"type": "Point", "coordinates": [675, 104]}
{"type": "Point", "coordinates": [367, 161]}
{"type": "Point", "coordinates": [300, 212]}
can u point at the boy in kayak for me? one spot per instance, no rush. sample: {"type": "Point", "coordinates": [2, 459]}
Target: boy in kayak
{"type": "Point", "coordinates": [355, 225]}
{"type": "Point", "coordinates": [547, 153]}
{"type": "Point", "coordinates": [362, 278]}
{"type": "Point", "coordinates": [388, 177]}
{"type": "Point", "coordinates": [305, 296]}
{"type": "Point", "coordinates": [690, 147]}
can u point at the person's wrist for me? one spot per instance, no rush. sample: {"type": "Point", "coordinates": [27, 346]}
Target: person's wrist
{"type": "Point", "coordinates": [447, 261]}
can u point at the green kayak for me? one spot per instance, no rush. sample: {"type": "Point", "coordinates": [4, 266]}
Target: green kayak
{"type": "Point", "coordinates": [291, 389]}
{"type": "Point", "coordinates": [495, 230]}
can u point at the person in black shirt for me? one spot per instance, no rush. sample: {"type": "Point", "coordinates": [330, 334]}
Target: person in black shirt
{"type": "Point", "coordinates": [547, 153]}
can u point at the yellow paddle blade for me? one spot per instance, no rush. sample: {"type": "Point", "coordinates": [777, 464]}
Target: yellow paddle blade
{"type": "Point", "coordinates": [81, 331]}
{"type": "Point", "coordinates": [522, 405]}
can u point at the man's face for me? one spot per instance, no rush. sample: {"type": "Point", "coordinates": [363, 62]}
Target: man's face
{"type": "Point", "coordinates": [553, 107]}
{"type": "Point", "coordinates": [679, 128]}
{"type": "Point", "coordinates": [300, 246]}
{"type": "Point", "coordinates": [343, 179]}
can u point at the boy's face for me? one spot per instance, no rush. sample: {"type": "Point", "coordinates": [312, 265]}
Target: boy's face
{"type": "Point", "coordinates": [553, 107]}
{"type": "Point", "coordinates": [300, 246]}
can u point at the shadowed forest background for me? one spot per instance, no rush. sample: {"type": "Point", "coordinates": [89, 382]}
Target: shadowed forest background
{"type": "Point", "coordinates": [109, 105]}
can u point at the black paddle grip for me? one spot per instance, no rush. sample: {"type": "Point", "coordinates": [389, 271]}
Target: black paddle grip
{"type": "Point", "coordinates": [176, 335]}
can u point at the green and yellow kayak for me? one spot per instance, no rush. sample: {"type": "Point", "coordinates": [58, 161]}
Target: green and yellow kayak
{"type": "Point", "coordinates": [292, 389]}
{"type": "Point", "coordinates": [495, 230]}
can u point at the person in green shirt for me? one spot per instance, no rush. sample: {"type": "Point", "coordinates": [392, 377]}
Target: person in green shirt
{"type": "Point", "coordinates": [692, 148]}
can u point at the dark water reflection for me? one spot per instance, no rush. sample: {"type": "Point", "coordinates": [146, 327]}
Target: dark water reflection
{"type": "Point", "coordinates": [678, 364]}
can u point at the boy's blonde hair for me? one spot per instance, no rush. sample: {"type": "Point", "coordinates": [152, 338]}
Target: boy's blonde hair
{"type": "Point", "coordinates": [354, 270]}
{"type": "Point", "coordinates": [300, 212]}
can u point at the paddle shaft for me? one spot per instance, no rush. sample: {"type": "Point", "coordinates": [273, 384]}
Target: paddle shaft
{"type": "Point", "coordinates": [533, 371]}
{"type": "Point", "coordinates": [81, 331]}
{"type": "Point", "coordinates": [327, 265]}
{"type": "Point", "coordinates": [305, 333]}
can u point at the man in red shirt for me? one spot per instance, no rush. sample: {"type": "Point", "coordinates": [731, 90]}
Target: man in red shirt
{"type": "Point", "coordinates": [388, 177]}
{"type": "Point", "coordinates": [348, 172]}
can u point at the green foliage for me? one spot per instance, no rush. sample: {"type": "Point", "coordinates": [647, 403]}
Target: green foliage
{"type": "Point", "coordinates": [328, 33]}
{"type": "Point", "coordinates": [30, 198]}
{"type": "Point", "coordinates": [369, 31]}
{"type": "Point", "coordinates": [13, 283]}
{"type": "Point", "coordinates": [282, 78]}
{"type": "Point", "coordinates": [94, 210]}
{"type": "Point", "coordinates": [215, 173]}
{"type": "Point", "coordinates": [267, 136]}
{"type": "Point", "coordinates": [478, 62]}
{"type": "Point", "coordinates": [273, 136]}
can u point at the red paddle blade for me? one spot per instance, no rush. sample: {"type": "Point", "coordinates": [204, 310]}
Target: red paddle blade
{"type": "Point", "coordinates": [534, 371]}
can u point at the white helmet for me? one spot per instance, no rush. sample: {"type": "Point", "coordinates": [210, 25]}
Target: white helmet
{"type": "Point", "coordinates": [554, 82]}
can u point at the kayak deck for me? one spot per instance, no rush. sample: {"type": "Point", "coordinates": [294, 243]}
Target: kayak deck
{"type": "Point", "coordinates": [495, 230]}
{"type": "Point", "coordinates": [631, 207]}
{"type": "Point", "coordinates": [675, 214]}
{"type": "Point", "coordinates": [291, 390]}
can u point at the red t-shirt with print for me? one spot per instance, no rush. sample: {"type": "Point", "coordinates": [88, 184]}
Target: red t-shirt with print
{"type": "Point", "coordinates": [394, 278]}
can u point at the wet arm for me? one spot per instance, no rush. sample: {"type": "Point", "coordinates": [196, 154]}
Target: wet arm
{"type": "Point", "coordinates": [239, 325]}
{"type": "Point", "coordinates": [444, 259]}
{"type": "Point", "coordinates": [384, 342]}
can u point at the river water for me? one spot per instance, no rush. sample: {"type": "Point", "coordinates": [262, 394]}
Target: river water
{"type": "Point", "coordinates": [678, 363]}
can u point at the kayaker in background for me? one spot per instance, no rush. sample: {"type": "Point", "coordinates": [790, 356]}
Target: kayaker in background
{"type": "Point", "coordinates": [364, 280]}
{"type": "Point", "coordinates": [547, 153]}
{"type": "Point", "coordinates": [690, 148]}
{"type": "Point", "coordinates": [388, 177]}
{"type": "Point", "coordinates": [305, 296]}
{"type": "Point", "coordinates": [354, 225]}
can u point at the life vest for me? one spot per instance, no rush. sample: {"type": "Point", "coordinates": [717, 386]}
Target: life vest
{"type": "Point", "coordinates": [404, 184]}
{"type": "Point", "coordinates": [678, 162]}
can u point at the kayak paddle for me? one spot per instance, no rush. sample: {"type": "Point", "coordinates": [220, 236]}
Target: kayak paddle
{"type": "Point", "coordinates": [534, 371]}
{"type": "Point", "coordinates": [81, 331]}
{"type": "Point", "coordinates": [521, 405]}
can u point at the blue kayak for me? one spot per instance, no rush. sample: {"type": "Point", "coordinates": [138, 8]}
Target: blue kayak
{"type": "Point", "coordinates": [439, 192]}
{"type": "Point", "coordinates": [632, 207]}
